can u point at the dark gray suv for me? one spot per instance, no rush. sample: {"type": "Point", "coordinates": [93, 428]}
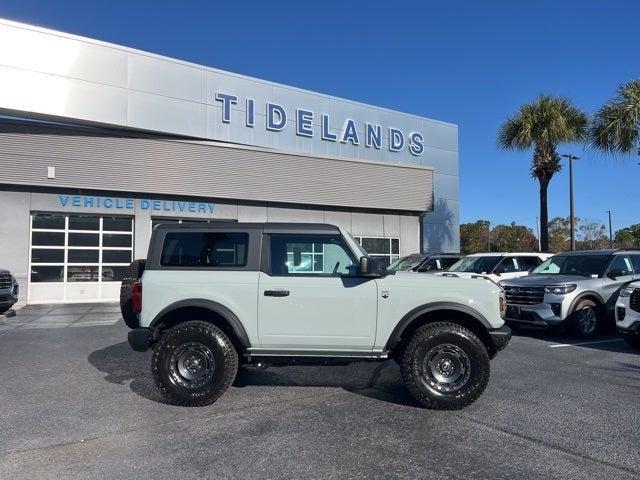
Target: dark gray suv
{"type": "Point", "coordinates": [8, 290]}
{"type": "Point", "coordinates": [575, 289]}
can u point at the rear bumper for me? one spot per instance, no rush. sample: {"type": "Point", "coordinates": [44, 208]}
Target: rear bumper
{"type": "Point", "coordinates": [500, 337]}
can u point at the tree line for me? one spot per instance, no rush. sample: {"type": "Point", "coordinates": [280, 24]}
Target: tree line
{"type": "Point", "coordinates": [548, 121]}
{"type": "Point", "coordinates": [478, 236]}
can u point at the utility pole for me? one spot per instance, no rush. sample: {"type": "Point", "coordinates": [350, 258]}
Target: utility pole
{"type": "Point", "coordinates": [572, 225]}
{"type": "Point", "coordinates": [610, 231]}
{"type": "Point", "coordinates": [488, 236]}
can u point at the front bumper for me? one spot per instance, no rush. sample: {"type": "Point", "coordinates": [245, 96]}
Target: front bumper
{"type": "Point", "coordinates": [8, 298]}
{"type": "Point", "coordinates": [500, 337]}
{"type": "Point", "coordinates": [538, 315]}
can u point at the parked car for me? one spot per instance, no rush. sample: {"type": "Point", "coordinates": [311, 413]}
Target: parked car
{"type": "Point", "coordinates": [628, 313]}
{"type": "Point", "coordinates": [8, 290]}
{"type": "Point", "coordinates": [495, 266]}
{"type": "Point", "coordinates": [424, 262]}
{"type": "Point", "coordinates": [573, 289]}
{"type": "Point", "coordinates": [212, 296]}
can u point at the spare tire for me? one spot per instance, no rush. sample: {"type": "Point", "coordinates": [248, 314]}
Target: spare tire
{"type": "Point", "coordinates": [133, 274]}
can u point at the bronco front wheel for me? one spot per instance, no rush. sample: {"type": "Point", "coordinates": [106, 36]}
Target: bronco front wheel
{"type": "Point", "coordinates": [445, 366]}
{"type": "Point", "coordinates": [194, 363]}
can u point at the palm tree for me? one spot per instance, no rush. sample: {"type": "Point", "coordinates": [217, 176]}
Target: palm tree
{"type": "Point", "coordinates": [616, 126]}
{"type": "Point", "coordinates": [542, 125]}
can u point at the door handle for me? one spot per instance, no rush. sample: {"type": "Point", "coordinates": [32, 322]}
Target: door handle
{"type": "Point", "coordinates": [276, 293]}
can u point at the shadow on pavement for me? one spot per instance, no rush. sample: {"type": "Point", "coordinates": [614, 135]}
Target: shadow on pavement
{"type": "Point", "coordinates": [380, 381]}
{"type": "Point", "coordinates": [122, 365]}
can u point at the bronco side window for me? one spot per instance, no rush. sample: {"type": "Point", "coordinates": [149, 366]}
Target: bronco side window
{"type": "Point", "coordinates": [204, 249]}
{"type": "Point", "coordinates": [325, 255]}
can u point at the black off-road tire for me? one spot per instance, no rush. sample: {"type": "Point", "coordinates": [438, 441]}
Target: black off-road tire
{"type": "Point", "coordinates": [581, 327]}
{"type": "Point", "coordinates": [201, 336]}
{"type": "Point", "coordinates": [632, 339]}
{"type": "Point", "coordinates": [418, 376]}
{"type": "Point", "coordinates": [133, 273]}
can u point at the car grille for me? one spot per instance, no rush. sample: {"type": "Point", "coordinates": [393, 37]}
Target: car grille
{"type": "Point", "coordinates": [5, 280]}
{"type": "Point", "coordinates": [524, 295]}
{"type": "Point", "coordinates": [634, 300]}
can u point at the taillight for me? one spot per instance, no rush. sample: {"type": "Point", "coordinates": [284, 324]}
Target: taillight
{"type": "Point", "coordinates": [136, 297]}
{"type": "Point", "coordinates": [502, 304]}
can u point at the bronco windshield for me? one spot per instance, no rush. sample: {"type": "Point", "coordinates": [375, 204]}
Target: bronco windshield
{"type": "Point", "coordinates": [583, 265]}
{"type": "Point", "coordinates": [475, 264]}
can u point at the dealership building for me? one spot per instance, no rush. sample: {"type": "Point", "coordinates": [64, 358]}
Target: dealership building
{"type": "Point", "coordinates": [99, 143]}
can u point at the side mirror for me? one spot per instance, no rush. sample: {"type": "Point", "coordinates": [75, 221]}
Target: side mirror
{"type": "Point", "coordinates": [368, 267]}
{"type": "Point", "coordinates": [614, 274]}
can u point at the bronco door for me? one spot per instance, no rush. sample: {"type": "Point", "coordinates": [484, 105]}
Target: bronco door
{"type": "Point", "coordinates": [309, 296]}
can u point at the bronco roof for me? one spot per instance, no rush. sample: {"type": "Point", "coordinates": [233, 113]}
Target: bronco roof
{"type": "Point", "coordinates": [266, 227]}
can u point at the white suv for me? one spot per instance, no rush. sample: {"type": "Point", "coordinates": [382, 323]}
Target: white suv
{"type": "Point", "coordinates": [628, 313]}
{"type": "Point", "coordinates": [217, 295]}
{"type": "Point", "coordinates": [496, 266]}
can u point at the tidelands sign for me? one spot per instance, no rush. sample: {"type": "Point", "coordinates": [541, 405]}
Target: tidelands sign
{"type": "Point", "coordinates": [277, 118]}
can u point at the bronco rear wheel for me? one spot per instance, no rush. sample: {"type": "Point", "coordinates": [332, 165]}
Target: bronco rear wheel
{"type": "Point", "coordinates": [445, 366]}
{"type": "Point", "coordinates": [194, 363]}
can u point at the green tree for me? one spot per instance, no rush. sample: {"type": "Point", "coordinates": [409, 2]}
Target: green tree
{"type": "Point", "coordinates": [559, 234]}
{"type": "Point", "coordinates": [591, 234]}
{"type": "Point", "coordinates": [616, 125]}
{"type": "Point", "coordinates": [628, 237]}
{"type": "Point", "coordinates": [543, 125]}
{"type": "Point", "coordinates": [474, 237]}
{"type": "Point", "coordinates": [513, 238]}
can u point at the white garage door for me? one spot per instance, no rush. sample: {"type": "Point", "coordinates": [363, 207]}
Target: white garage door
{"type": "Point", "coordinates": [78, 258]}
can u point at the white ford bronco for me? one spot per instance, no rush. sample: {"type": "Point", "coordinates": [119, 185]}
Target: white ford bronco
{"type": "Point", "coordinates": [210, 297]}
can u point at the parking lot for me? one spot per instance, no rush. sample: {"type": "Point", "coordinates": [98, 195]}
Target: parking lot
{"type": "Point", "coordinates": [78, 403]}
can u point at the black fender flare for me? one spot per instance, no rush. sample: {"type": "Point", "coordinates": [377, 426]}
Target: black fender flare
{"type": "Point", "coordinates": [405, 321]}
{"type": "Point", "coordinates": [215, 307]}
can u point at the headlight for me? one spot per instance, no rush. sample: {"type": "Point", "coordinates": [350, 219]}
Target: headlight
{"type": "Point", "coordinates": [560, 289]}
{"type": "Point", "coordinates": [626, 291]}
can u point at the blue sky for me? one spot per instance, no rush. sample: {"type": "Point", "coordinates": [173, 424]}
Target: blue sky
{"type": "Point", "coordinates": [466, 62]}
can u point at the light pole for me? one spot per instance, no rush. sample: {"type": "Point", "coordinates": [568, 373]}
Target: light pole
{"type": "Point", "coordinates": [572, 226]}
{"type": "Point", "coordinates": [538, 234]}
{"type": "Point", "coordinates": [488, 236]}
{"type": "Point", "coordinates": [610, 231]}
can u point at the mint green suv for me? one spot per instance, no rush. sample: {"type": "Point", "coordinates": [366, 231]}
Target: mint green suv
{"type": "Point", "coordinates": [212, 297]}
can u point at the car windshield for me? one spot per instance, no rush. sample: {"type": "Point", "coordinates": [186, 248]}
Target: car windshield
{"type": "Point", "coordinates": [584, 265]}
{"type": "Point", "coordinates": [475, 264]}
{"type": "Point", "coordinates": [406, 263]}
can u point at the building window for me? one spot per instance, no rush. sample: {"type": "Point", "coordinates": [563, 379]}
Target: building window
{"type": "Point", "coordinates": [80, 248]}
{"type": "Point", "coordinates": [386, 250]}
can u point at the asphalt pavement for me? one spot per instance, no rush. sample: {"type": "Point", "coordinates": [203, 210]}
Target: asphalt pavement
{"type": "Point", "coordinates": [78, 403]}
